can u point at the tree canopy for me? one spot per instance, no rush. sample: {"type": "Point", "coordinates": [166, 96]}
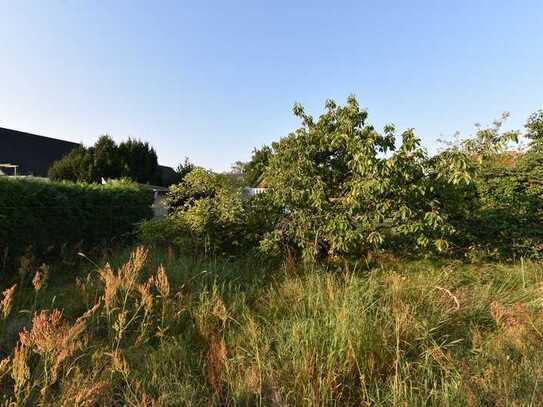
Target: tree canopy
{"type": "Point", "coordinates": [132, 159]}
{"type": "Point", "coordinates": [346, 188]}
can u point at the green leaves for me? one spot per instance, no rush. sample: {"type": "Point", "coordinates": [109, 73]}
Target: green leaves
{"type": "Point", "coordinates": [346, 189]}
{"type": "Point", "coordinates": [132, 159]}
{"type": "Point", "coordinates": [338, 187]}
{"type": "Point", "coordinates": [254, 169]}
{"type": "Point", "coordinates": [534, 127]}
{"type": "Point", "coordinates": [46, 217]}
{"type": "Point", "coordinates": [209, 217]}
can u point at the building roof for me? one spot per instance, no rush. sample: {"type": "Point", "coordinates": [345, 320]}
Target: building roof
{"type": "Point", "coordinates": [261, 182]}
{"type": "Point", "coordinates": [167, 174]}
{"type": "Point", "coordinates": [33, 154]}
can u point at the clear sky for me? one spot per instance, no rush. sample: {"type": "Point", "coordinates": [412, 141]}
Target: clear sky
{"type": "Point", "coordinates": [213, 79]}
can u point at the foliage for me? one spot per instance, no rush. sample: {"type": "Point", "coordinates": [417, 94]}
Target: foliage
{"type": "Point", "coordinates": [196, 185]}
{"type": "Point", "coordinates": [347, 189]}
{"type": "Point", "coordinates": [157, 329]}
{"type": "Point", "coordinates": [487, 146]}
{"type": "Point", "coordinates": [206, 213]}
{"type": "Point", "coordinates": [45, 217]}
{"type": "Point", "coordinates": [183, 169]}
{"type": "Point", "coordinates": [510, 218]}
{"type": "Point", "coordinates": [338, 188]}
{"type": "Point", "coordinates": [75, 166]}
{"type": "Point", "coordinates": [255, 168]}
{"type": "Point", "coordinates": [138, 161]}
{"type": "Point", "coordinates": [238, 167]}
{"type": "Point", "coordinates": [132, 159]}
{"type": "Point", "coordinates": [502, 211]}
{"type": "Point", "coordinates": [107, 159]}
{"type": "Point", "coordinates": [531, 162]}
{"type": "Point", "coordinates": [208, 216]}
{"type": "Point", "coordinates": [534, 127]}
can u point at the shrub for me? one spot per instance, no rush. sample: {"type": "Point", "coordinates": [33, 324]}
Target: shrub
{"type": "Point", "coordinates": [183, 169]}
{"type": "Point", "coordinates": [196, 185]}
{"type": "Point", "coordinates": [510, 218]}
{"type": "Point", "coordinates": [209, 217]}
{"type": "Point", "coordinates": [75, 166]}
{"type": "Point", "coordinates": [44, 217]}
{"type": "Point", "coordinates": [205, 216]}
{"type": "Point", "coordinates": [501, 213]}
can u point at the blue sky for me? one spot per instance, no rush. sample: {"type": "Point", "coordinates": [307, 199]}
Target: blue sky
{"type": "Point", "coordinates": [212, 79]}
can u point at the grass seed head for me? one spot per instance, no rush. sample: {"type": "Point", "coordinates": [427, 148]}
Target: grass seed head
{"type": "Point", "coordinates": [4, 366]}
{"type": "Point", "coordinates": [7, 301]}
{"type": "Point", "coordinates": [130, 271]}
{"type": "Point", "coordinates": [20, 372]}
{"type": "Point", "coordinates": [146, 296]}
{"type": "Point", "coordinates": [111, 285]}
{"type": "Point", "coordinates": [161, 282]}
{"type": "Point", "coordinates": [53, 338]}
{"type": "Point", "coordinates": [86, 394]}
{"type": "Point", "coordinates": [40, 278]}
{"type": "Point", "coordinates": [119, 363]}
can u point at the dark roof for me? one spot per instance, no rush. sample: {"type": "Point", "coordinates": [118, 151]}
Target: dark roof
{"type": "Point", "coordinates": [168, 175]}
{"type": "Point", "coordinates": [32, 153]}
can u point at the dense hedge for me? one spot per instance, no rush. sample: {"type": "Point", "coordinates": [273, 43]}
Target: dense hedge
{"type": "Point", "coordinates": [44, 217]}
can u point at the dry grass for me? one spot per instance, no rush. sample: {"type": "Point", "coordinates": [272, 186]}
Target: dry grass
{"type": "Point", "coordinates": [161, 330]}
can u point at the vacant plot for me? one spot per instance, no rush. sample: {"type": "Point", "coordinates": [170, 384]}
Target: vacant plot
{"type": "Point", "coordinates": [158, 329]}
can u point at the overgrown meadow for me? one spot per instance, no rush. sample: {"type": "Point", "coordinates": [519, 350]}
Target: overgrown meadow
{"type": "Point", "coordinates": [367, 273]}
{"type": "Point", "coordinates": [159, 329]}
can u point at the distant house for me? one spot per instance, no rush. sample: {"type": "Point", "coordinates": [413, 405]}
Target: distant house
{"type": "Point", "coordinates": [32, 154]}
{"type": "Point", "coordinates": [260, 186]}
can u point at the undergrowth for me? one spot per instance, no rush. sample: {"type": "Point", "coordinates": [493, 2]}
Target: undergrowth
{"type": "Point", "coordinates": [152, 328]}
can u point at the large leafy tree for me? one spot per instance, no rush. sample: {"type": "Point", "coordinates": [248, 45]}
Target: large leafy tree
{"type": "Point", "coordinates": [345, 188]}
{"type": "Point", "coordinates": [534, 127]}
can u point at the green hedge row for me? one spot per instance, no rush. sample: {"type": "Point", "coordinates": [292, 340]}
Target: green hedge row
{"type": "Point", "coordinates": [44, 217]}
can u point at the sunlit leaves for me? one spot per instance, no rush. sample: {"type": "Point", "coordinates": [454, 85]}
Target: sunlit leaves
{"type": "Point", "coordinates": [348, 188]}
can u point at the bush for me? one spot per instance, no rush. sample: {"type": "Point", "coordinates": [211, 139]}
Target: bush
{"type": "Point", "coordinates": [44, 217]}
{"type": "Point", "coordinates": [508, 221]}
{"type": "Point", "coordinates": [501, 213]}
{"type": "Point", "coordinates": [254, 169]}
{"type": "Point", "coordinates": [209, 217]}
{"type": "Point", "coordinates": [205, 216]}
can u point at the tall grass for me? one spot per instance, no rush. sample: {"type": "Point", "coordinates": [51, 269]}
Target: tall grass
{"type": "Point", "coordinates": [157, 329]}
